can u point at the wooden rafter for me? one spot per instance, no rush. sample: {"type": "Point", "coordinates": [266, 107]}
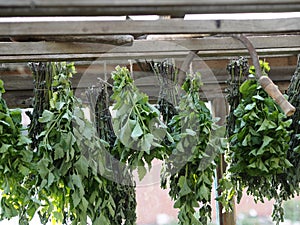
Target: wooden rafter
{"type": "Point", "coordinates": [66, 26]}
{"type": "Point", "coordinates": [146, 49]}
{"type": "Point", "coordinates": [137, 7]}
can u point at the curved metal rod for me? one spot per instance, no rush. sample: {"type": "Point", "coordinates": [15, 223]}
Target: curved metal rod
{"type": "Point", "coordinates": [251, 51]}
{"type": "Point", "coordinates": [266, 83]}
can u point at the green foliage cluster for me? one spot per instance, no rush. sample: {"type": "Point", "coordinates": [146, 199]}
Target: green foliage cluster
{"type": "Point", "coordinates": [120, 183]}
{"type": "Point", "coordinates": [62, 171]}
{"type": "Point", "coordinates": [15, 165]}
{"type": "Point", "coordinates": [69, 159]}
{"type": "Point", "coordinates": [258, 147]}
{"type": "Point", "coordinates": [189, 169]}
{"type": "Point", "coordinates": [61, 176]}
{"type": "Point", "coordinates": [292, 177]}
{"type": "Point", "coordinates": [137, 124]}
{"type": "Point", "coordinates": [184, 144]}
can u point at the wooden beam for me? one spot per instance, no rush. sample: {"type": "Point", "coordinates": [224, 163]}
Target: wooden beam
{"type": "Point", "coordinates": [146, 55]}
{"type": "Point", "coordinates": [146, 49]}
{"type": "Point", "coordinates": [67, 26]}
{"type": "Point", "coordinates": [103, 3]}
{"type": "Point", "coordinates": [137, 7]}
{"type": "Point", "coordinates": [104, 39]}
{"type": "Point", "coordinates": [193, 44]}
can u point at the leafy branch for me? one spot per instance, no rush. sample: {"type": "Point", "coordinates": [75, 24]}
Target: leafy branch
{"type": "Point", "coordinates": [123, 192]}
{"type": "Point", "coordinates": [258, 147]}
{"type": "Point", "coordinates": [69, 159]}
{"type": "Point", "coordinates": [189, 170]}
{"type": "Point", "coordinates": [15, 166]}
{"type": "Point", "coordinates": [139, 130]}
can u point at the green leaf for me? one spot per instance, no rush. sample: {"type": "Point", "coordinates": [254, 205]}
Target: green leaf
{"type": "Point", "coordinates": [125, 134]}
{"type": "Point", "coordinates": [50, 179]}
{"type": "Point", "coordinates": [287, 163]}
{"type": "Point", "coordinates": [177, 203]}
{"type": "Point", "coordinates": [88, 131]}
{"type": "Point", "coordinates": [85, 204]}
{"type": "Point", "coordinates": [47, 116]}
{"type": "Point", "coordinates": [250, 106]}
{"type": "Point", "coordinates": [101, 220]}
{"type": "Point", "coordinates": [31, 210]}
{"type": "Point", "coordinates": [76, 198]}
{"type": "Point", "coordinates": [59, 152]}
{"type": "Point", "coordinates": [137, 131]}
{"type": "Point", "coordinates": [246, 86]}
{"type": "Point", "coordinates": [266, 141]}
{"type": "Point", "coordinates": [258, 97]}
{"type": "Point", "coordinates": [124, 109]}
{"type": "Point", "coordinates": [262, 166]}
{"type": "Point", "coordinates": [190, 132]}
{"type": "Point", "coordinates": [2, 90]}
{"type": "Point", "coordinates": [59, 105]}
{"type": "Point", "coordinates": [77, 181]}
{"type": "Point", "coordinates": [266, 125]}
{"type": "Point", "coordinates": [42, 167]}
{"type": "Point", "coordinates": [16, 115]}
{"type": "Point", "coordinates": [141, 172]}
{"type": "Point", "coordinates": [23, 140]}
{"type": "Point", "coordinates": [24, 170]}
{"type": "Point", "coordinates": [4, 148]}
{"type": "Point", "coordinates": [184, 188]}
{"type": "Point", "coordinates": [147, 141]}
{"type": "Point", "coordinates": [205, 192]}
{"type": "Point", "coordinates": [297, 149]}
{"type": "Point", "coordinates": [82, 166]}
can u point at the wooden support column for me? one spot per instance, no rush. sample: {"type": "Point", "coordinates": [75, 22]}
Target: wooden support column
{"type": "Point", "coordinates": [220, 109]}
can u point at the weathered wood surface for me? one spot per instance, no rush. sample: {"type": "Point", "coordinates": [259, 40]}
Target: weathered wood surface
{"type": "Point", "coordinates": [104, 39]}
{"type": "Point", "coordinates": [69, 26]}
{"type": "Point", "coordinates": [146, 49]}
{"type": "Point", "coordinates": [132, 7]}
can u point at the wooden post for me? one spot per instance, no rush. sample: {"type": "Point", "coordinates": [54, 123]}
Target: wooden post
{"type": "Point", "coordinates": [220, 109]}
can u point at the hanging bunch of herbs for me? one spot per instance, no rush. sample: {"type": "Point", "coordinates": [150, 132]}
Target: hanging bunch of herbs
{"type": "Point", "coordinates": [189, 170]}
{"type": "Point", "coordinates": [238, 70]}
{"type": "Point", "coordinates": [69, 183]}
{"type": "Point", "coordinates": [167, 101]}
{"type": "Point", "coordinates": [257, 148]}
{"type": "Point", "coordinates": [137, 125]}
{"type": "Point", "coordinates": [122, 191]}
{"type": "Point", "coordinates": [42, 80]}
{"type": "Point", "coordinates": [15, 166]}
{"type": "Point", "coordinates": [291, 179]}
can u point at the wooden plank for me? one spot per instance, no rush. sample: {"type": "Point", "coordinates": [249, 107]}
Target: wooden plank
{"type": "Point", "coordinates": [131, 7]}
{"type": "Point", "coordinates": [67, 26]}
{"type": "Point", "coordinates": [157, 45]}
{"type": "Point", "coordinates": [104, 39]}
{"type": "Point", "coordinates": [66, 3]}
{"type": "Point", "coordinates": [146, 49]}
{"type": "Point", "coordinates": [146, 55]}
